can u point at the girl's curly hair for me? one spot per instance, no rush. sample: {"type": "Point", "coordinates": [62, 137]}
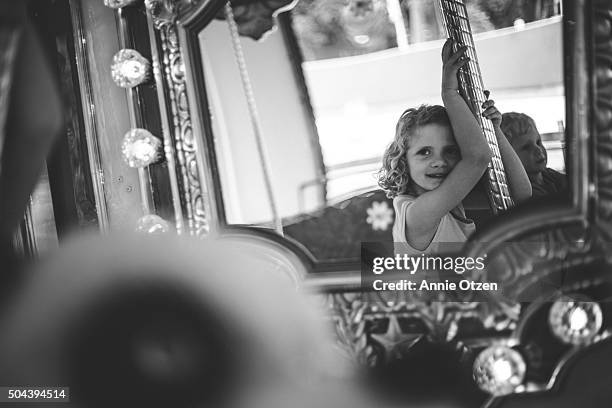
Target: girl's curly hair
{"type": "Point", "coordinates": [394, 176]}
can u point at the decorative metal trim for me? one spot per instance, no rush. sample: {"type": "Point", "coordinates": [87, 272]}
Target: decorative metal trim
{"type": "Point", "coordinates": [350, 325]}
{"type": "Point", "coordinates": [180, 147]}
{"type": "Point", "coordinates": [165, 12]}
{"type": "Point", "coordinates": [602, 71]}
{"type": "Point", "coordinates": [168, 141]}
{"type": "Point", "coordinates": [440, 321]}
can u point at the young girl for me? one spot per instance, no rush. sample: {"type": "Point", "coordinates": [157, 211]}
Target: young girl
{"type": "Point", "coordinates": [437, 157]}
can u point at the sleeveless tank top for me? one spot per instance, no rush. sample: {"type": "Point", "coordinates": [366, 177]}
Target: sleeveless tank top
{"type": "Point", "coordinates": [452, 232]}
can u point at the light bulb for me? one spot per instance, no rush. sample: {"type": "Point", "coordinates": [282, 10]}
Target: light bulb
{"type": "Point", "coordinates": [129, 68]}
{"type": "Point", "coordinates": [152, 224]}
{"type": "Point", "coordinates": [499, 369]}
{"type": "Point", "coordinates": [575, 321]}
{"type": "Point", "coordinates": [140, 148]}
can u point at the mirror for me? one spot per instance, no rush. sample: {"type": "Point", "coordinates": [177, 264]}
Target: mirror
{"type": "Point", "coordinates": [300, 119]}
{"type": "Point", "coordinates": [365, 62]}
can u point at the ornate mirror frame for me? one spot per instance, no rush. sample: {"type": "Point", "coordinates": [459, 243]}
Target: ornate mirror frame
{"type": "Point", "coordinates": [182, 92]}
{"type": "Point", "coordinates": [540, 242]}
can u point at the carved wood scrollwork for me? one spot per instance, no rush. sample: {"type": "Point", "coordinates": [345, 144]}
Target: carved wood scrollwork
{"type": "Point", "coordinates": [167, 11]}
{"type": "Point", "coordinates": [602, 33]}
{"type": "Point", "coordinates": [180, 147]}
{"type": "Point", "coordinates": [356, 317]}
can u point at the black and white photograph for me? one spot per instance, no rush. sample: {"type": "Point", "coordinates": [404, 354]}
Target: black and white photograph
{"type": "Point", "coordinates": [297, 203]}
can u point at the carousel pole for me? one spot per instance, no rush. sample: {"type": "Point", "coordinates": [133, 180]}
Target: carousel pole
{"type": "Point", "coordinates": [254, 116]}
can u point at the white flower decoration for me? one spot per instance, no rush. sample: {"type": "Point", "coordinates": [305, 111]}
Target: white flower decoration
{"type": "Point", "coordinates": [379, 216]}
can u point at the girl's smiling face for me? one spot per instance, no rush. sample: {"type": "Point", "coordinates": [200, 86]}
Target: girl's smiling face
{"type": "Point", "coordinates": [432, 154]}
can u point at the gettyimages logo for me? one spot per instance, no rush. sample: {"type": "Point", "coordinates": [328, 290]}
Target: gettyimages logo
{"type": "Point", "coordinates": [507, 273]}
{"type": "Point", "coordinates": [384, 269]}
{"type": "Point", "coordinates": [424, 263]}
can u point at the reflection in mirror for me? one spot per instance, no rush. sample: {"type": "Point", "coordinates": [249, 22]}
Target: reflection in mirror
{"type": "Point", "coordinates": [360, 65]}
{"type": "Point", "coordinates": [289, 154]}
{"type": "Point", "coordinates": [362, 76]}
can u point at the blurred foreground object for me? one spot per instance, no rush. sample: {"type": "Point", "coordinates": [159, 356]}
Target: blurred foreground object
{"type": "Point", "coordinates": [31, 115]}
{"type": "Point", "coordinates": [159, 321]}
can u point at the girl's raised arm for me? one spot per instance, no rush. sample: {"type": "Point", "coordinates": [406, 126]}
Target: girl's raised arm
{"type": "Point", "coordinates": [424, 215]}
{"type": "Point", "coordinates": [518, 181]}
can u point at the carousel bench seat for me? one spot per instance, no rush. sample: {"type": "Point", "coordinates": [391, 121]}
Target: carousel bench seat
{"type": "Point", "coordinates": [335, 231]}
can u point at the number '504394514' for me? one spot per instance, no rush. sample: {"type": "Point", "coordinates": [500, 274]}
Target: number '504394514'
{"type": "Point", "coordinates": [35, 393]}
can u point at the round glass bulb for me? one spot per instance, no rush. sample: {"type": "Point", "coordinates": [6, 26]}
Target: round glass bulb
{"type": "Point", "coordinates": [152, 224]}
{"type": "Point", "coordinates": [503, 370]}
{"type": "Point", "coordinates": [140, 148]}
{"type": "Point", "coordinates": [575, 321]}
{"type": "Point", "coordinates": [498, 370]}
{"type": "Point", "coordinates": [578, 319]}
{"type": "Point", "coordinates": [129, 68]}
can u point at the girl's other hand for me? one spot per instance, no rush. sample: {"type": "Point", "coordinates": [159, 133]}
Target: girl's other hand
{"type": "Point", "coordinates": [490, 112]}
{"type": "Point", "coordinates": [451, 62]}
